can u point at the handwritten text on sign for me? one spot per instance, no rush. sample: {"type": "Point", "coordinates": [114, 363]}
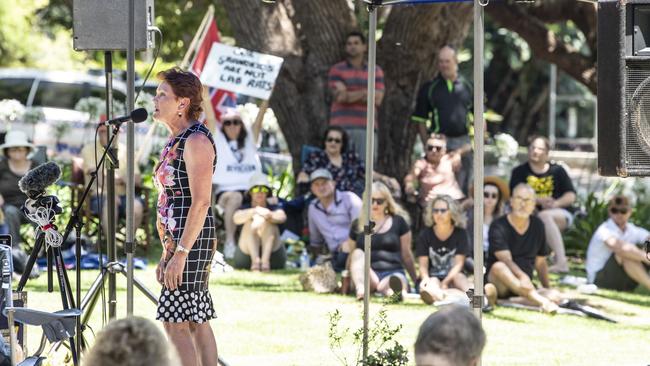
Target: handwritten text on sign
{"type": "Point", "coordinates": [241, 71]}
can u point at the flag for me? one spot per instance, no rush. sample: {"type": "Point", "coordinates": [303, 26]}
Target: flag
{"type": "Point", "coordinates": [219, 99]}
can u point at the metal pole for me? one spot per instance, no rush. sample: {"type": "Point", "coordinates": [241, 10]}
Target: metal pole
{"type": "Point", "coordinates": [109, 203]}
{"type": "Point", "coordinates": [479, 133]}
{"type": "Point", "coordinates": [552, 101]}
{"type": "Point", "coordinates": [370, 128]}
{"type": "Point", "coordinates": [130, 177]}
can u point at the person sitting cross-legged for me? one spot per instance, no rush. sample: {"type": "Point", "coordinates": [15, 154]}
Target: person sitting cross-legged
{"type": "Point", "coordinates": [613, 259]}
{"type": "Point", "coordinates": [517, 247]}
{"type": "Point", "coordinates": [441, 249]}
{"type": "Point", "coordinates": [555, 196]}
{"type": "Point", "coordinates": [260, 246]}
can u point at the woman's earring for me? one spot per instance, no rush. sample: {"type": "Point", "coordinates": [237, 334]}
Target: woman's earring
{"type": "Point", "coordinates": [180, 114]}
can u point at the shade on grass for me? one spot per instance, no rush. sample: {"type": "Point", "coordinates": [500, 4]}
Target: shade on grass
{"type": "Point", "coordinates": [265, 319]}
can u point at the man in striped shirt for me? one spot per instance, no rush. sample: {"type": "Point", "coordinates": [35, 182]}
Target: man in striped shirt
{"type": "Point", "coordinates": [348, 82]}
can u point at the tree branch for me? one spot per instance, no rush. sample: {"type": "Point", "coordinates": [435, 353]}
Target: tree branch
{"type": "Point", "coordinates": [545, 44]}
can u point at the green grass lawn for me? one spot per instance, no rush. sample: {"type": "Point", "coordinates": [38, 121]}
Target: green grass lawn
{"type": "Point", "coordinates": [266, 319]}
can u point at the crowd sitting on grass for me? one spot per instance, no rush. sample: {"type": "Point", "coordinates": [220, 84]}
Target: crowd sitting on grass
{"type": "Point", "coordinates": [516, 232]}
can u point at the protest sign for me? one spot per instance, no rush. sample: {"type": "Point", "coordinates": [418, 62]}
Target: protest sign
{"type": "Point", "coordinates": [241, 71]}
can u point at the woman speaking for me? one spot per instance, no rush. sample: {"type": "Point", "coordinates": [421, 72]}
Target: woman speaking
{"type": "Point", "coordinates": [184, 220]}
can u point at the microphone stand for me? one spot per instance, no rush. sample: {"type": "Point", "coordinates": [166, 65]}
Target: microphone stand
{"type": "Point", "coordinates": [109, 270]}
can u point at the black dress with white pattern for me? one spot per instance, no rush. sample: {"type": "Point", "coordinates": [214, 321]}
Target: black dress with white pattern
{"type": "Point", "coordinates": [191, 301]}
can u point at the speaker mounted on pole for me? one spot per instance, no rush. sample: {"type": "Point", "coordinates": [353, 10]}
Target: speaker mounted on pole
{"type": "Point", "coordinates": [624, 88]}
{"type": "Point", "coordinates": [103, 25]}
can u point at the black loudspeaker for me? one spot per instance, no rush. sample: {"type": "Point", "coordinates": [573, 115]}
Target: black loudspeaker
{"type": "Point", "coordinates": [104, 24]}
{"type": "Point", "coordinates": [624, 88]}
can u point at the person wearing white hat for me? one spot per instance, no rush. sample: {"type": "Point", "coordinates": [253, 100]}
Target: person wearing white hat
{"type": "Point", "coordinates": [14, 166]}
{"type": "Point", "coordinates": [259, 241]}
{"type": "Point", "coordinates": [237, 163]}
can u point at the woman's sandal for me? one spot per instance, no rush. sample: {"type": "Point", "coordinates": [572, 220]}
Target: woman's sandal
{"type": "Point", "coordinates": [266, 267]}
{"type": "Point", "coordinates": [255, 265]}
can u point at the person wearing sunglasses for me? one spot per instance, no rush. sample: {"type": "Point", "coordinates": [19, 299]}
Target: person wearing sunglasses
{"type": "Point", "coordinates": [444, 105]}
{"type": "Point", "coordinates": [441, 248]}
{"type": "Point", "coordinates": [517, 248]}
{"type": "Point", "coordinates": [495, 194]}
{"type": "Point", "coordinates": [555, 196]}
{"type": "Point", "coordinates": [260, 248]}
{"type": "Point", "coordinates": [390, 246]}
{"type": "Point", "coordinates": [614, 258]}
{"type": "Point", "coordinates": [238, 162]}
{"type": "Point", "coordinates": [346, 167]}
{"type": "Point", "coordinates": [433, 175]}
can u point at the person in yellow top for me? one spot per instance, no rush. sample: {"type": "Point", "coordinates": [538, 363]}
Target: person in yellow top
{"type": "Point", "coordinates": [91, 153]}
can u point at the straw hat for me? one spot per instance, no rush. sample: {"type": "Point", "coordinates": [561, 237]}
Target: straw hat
{"type": "Point", "coordinates": [501, 185]}
{"type": "Point", "coordinates": [16, 139]}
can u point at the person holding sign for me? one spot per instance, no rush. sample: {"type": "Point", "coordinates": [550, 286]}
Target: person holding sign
{"type": "Point", "coordinates": [237, 164]}
{"type": "Point", "coordinates": [348, 82]}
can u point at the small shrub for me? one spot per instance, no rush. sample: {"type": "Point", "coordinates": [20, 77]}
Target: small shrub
{"type": "Point", "coordinates": [380, 333]}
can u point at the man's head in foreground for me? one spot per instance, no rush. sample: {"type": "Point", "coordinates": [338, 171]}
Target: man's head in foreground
{"type": "Point", "coordinates": [452, 336]}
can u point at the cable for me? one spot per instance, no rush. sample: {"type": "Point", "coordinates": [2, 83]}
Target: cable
{"type": "Point", "coordinates": [155, 58]}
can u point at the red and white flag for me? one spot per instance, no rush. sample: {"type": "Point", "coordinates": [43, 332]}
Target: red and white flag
{"type": "Point", "coordinates": [219, 99]}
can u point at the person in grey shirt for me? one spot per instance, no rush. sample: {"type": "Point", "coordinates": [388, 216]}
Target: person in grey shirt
{"type": "Point", "coordinates": [330, 216]}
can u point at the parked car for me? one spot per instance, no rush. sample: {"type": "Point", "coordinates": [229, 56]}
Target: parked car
{"type": "Point", "coordinates": [62, 128]}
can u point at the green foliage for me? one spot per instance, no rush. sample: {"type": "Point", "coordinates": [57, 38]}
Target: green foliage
{"type": "Point", "coordinates": [380, 333]}
{"type": "Point", "coordinates": [577, 237]}
{"type": "Point", "coordinates": [283, 184]}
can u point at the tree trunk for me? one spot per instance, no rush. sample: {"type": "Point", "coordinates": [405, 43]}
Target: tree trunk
{"type": "Point", "coordinates": [407, 53]}
{"type": "Point", "coordinates": [309, 35]}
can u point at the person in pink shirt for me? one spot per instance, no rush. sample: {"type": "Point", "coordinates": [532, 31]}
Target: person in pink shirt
{"type": "Point", "coordinates": [433, 175]}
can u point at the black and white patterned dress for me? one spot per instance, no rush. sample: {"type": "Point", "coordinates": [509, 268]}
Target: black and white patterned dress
{"type": "Point", "coordinates": [191, 301]}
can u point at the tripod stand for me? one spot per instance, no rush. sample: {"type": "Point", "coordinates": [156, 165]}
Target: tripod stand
{"type": "Point", "coordinates": [53, 253]}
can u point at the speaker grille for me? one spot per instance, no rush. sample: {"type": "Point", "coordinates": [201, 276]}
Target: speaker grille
{"type": "Point", "coordinates": [636, 147]}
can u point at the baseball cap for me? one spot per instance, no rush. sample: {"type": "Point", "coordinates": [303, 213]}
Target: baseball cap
{"type": "Point", "coordinates": [320, 173]}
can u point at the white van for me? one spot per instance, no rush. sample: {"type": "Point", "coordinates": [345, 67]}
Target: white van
{"type": "Point", "coordinates": [57, 93]}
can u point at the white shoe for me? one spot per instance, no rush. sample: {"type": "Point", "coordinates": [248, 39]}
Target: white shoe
{"type": "Point", "coordinates": [229, 250]}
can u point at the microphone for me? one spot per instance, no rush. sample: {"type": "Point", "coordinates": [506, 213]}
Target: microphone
{"type": "Point", "coordinates": [33, 184]}
{"type": "Point", "coordinates": [137, 116]}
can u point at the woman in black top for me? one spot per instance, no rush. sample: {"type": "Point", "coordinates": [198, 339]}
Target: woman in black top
{"type": "Point", "coordinates": [441, 249]}
{"type": "Point", "coordinates": [390, 246]}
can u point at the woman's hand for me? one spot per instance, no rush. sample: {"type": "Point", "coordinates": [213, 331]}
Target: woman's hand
{"type": "Point", "coordinates": [302, 177]}
{"type": "Point", "coordinates": [174, 271]}
{"type": "Point", "coordinates": [444, 284]}
{"type": "Point", "coordinates": [160, 271]}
